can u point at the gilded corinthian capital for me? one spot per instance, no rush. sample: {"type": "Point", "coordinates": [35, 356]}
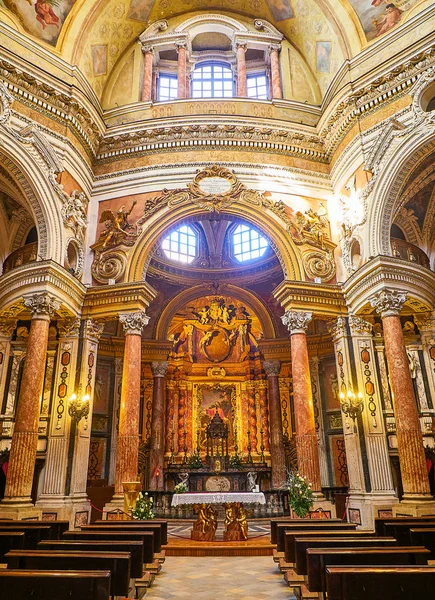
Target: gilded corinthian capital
{"type": "Point", "coordinates": [159, 368]}
{"type": "Point", "coordinates": [272, 367]}
{"type": "Point", "coordinates": [296, 321]}
{"type": "Point", "coordinates": [388, 303]}
{"type": "Point", "coordinates": [41, 305]}
{"type": "Point", "coordinates": [133, 323]}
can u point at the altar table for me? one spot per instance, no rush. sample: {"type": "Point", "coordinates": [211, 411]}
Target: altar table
{"type": "Point", "coordinates": [236, 517]}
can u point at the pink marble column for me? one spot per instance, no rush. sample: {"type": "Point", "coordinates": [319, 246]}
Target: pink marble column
{"type": "Point", "coordinates": [306, 439]}
{"type": "Point", "coordinates": [275, 72]}
{"type": "Point", "coordinates": [408, 431]}
{"type": "Point", "coordinates": [242, 90]}
{"type": "Point", "coordinates": [277, 452]}
{"type": "Point", "coordinates": [252, 417]}
{"type": "Point", "coordinates": [158, 426]}
{"type": "Point", "coordinates": [182, 69]}
{"type": "Point", "coordinates": [25, 437]}
{"type": "Point", "coordinates": [262, 398]}
{"type": "Point", "coordinates": [147, 84]}
{"type": "Point", "coordinates": [129, 410]}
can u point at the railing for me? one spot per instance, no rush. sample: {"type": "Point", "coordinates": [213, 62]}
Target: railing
{"type": "Point", "coordinates": [26, 254]}
{"type": "Point", "coordinates": [406, 251]}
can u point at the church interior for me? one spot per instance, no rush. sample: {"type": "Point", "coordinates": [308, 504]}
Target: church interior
{"type": "Point", "coordinates": [217, 285]}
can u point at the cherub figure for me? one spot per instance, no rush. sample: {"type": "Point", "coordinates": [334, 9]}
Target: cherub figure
{"type": "Point", "coordinates": [116, 226]}
{"type": "Point", "coordinates": [45, 13]}
{"type": "Point", "coordinates": [389, 19]}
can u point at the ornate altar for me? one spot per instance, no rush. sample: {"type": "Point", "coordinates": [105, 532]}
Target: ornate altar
{"type": "Point", "coordinates": [217, 444]}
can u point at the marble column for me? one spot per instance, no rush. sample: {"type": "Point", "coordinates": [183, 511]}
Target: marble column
{"type": "Point", "coordinates": [117, 388]}
{"type": "Point", "coordinates": [388, 305]}
{"type": "Point", "coordinates": [242, 90]}
{"type": "Point", "coordinates": [127, 454]}
{"type": "Point", "coordinates": [276, 440]}
{"type": "Point", "coordinates": [306, 439]}
{"type": "Point", "coordinates": [182, 69]}
{"type": "Point", "coordinates": [147, 84]}
{"type": "Point", "coordinates": [318, 419]}
{"type": "Point", "coordinates": [7, 327]}
{"type": "Point", "coordinates": [275, 72]}
{"type": "Point", "coordinates": [25, 437]}
{"type": "Point", "coordinates": [158, 425]}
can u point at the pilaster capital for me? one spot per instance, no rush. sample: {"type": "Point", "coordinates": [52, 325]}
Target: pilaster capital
{"type": "Point", "coordinates": [272, 367]}
{"type": "Point", "coordinates": [337, 328]}
{"type": "Point", "coordinates": [425, 322]}
{"type": "Point", "coordinates": [359, 326]}
{"type": "Point", "coordinates": [274, 48]}
{"type": "Point", "coordinates": [388, 303]}
{"type": "Point", "coordinates": [159, 368]}
{"type": "Point", "coordinates": [69, 327]}
{"type": "Point", "coordinates": [181, 44]}
{"type": "Point", "coordinates": [92, 330]}
{"type": "Point", "coordinates": [42, 306]}
{"type": "Point", "coordinates": [296, 321]}
{"type": "Point", "coordinates": [147, 49]}
{"type": "Point", "coordinates": [133, 323]}
{"type": "Point", "coordinates": [241, 44]}
{"type": "Point", "coordinates": [7, 327]}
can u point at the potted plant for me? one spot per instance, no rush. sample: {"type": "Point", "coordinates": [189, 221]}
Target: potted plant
{"type": "Point", "coordinates": [143, 508]}
{"type": "Point", "coordinates": [300, 494]}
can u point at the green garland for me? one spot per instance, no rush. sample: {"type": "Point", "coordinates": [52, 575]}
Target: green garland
{"type": "Point", "coordinates": [300, 494]}
{"type": "Point", "coordinates": [143, 508]}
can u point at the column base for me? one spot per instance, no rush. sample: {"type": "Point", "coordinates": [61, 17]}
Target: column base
{"type": "Point", "coordinates": [321, 504]}
{"type": "Point", "coordinates": [364, 508]}
{"type": "Point", "coordinates": [415, 506]}
{"type": "Point", "coordinates": [75, 509]}
{"type": "Point", "coordinates": [19, 509]}
{"type": "Point", "coordinates": [115, 506]}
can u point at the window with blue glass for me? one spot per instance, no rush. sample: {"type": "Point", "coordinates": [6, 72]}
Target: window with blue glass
{"type": "Point", "coordinates": [212, 80]}
{"type": "Point", "coordinates": [248, 243]}
{"type": "Point", "coordinates": [168, 87]}
{"type": "Point", "coordinates": [257, 86]}
{"type": "Point", "coordinates": [181, 244]}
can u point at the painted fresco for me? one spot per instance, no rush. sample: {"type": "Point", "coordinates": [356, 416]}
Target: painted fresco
{"type": "Point", "coordinates": [140, 9]}
{"type": "Point", "coordinates": [379, 16]}
{"type": "Point", "coordinates": [99, 59]}
{"type": "Point", "coordinates": [41, 18]}
{"type": "Point", "coordinates": [420, 202]}
{"type": "Point", "coordinates": [281, 9]}
{"type": "Point", "coordinates": [323, 57]}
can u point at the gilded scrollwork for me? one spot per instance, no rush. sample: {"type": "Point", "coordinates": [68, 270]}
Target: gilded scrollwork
{"type": "Point", "coordinates": [109, 265]}
{"type": "Point", "coordinates": [319, 265]}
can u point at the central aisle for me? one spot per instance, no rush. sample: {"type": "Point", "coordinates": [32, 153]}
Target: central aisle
{"type": "Point", "coordinates": [220, 578]}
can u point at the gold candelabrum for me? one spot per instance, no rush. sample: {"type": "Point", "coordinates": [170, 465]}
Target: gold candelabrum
{"type": "Point", "coordinates": [352, 405]}
{"type": "Point", "coordinates": [79, 405]}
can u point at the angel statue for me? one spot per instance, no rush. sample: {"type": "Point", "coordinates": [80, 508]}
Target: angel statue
{"type": "Point", "coordinates": [251, 481]}
{"type": "Point", "coordinates": [184, 479]}
{"type": "Point", "coordinates": [117, 226]}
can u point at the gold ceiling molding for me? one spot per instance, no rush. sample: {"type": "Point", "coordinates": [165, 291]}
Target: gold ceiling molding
{"type": "Point", "coordinates": [323, 300]}
{"type": "Point", "coordinates": [105, 303]}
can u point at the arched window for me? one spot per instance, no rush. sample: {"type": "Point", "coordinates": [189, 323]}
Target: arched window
{"type": "Point", "coordinates": [181, 245]}
{"type": "Point", "coordinates": [248, 243]}
{"type": "Point", "coordinates": [212, 80]}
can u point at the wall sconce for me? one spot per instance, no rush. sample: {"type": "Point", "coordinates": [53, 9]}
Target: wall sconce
{"type": "Point", "coordinates": [352, 405]}
{"type": "Point", "coordinates": [78, 406]}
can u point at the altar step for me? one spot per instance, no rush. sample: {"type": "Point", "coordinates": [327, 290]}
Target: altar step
{"type": "Point", "coordinates": [218, 548]}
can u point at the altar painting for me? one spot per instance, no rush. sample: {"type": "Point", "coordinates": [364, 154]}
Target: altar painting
{"type": "Point", "coordinates": [220, 399]}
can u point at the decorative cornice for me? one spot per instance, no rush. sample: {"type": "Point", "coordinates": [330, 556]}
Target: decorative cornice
{"type": "Point", "coordinates": [388, 303]}
{"type": "Point", "coordinates": [69, 328]}
{"type": "Point", "coordinates": [133, 323]}
{"type": "Point", "coordinates": [337, 328]}
{"type": "Point", "coordinates": [297, 321]}
{"type": "Point", "coordinates": [42, 306]}
{"type": "Point", "coordinates": [359, 325]}
{"type": "Point", "coordinates": [7, 327]}
{"type": "Point", "coordinates": [93, 330]}
{"type": "Point", "coordinates": [159, 368]}
{"type": "Point", "coordinates": [272, 368]}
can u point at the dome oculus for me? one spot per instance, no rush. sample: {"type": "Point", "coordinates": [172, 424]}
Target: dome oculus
{"type": "Point", "coordinates": [181, 245]}
{"type": "Point", "coordinates": [248, 243]}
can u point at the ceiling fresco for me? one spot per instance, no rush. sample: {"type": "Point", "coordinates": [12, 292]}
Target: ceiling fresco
{"type": "Point", "coordinates": [379, 16]}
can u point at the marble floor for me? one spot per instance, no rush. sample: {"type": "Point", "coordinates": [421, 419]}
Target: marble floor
{"type": "Point", "coordinates": [220, 578]}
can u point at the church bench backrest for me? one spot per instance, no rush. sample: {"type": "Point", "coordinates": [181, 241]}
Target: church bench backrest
{"type": "Point", "coordinates": [155, 528]}
{"type": "Point", "coordinates": [320, 558]}
{"type": "Point", "coordinates": [276, 520]}
{"type": "Point", "coordinates": [304, 543]}
{"type": "Point", "coordinates": [135, 549]}
{"type": "Point", "coordinates": [10, 540]}
{"type": "Point", "coordinates": [380, 522]}
{"type": "Point", "coordinates": [290, 536]}
{"type": "Point", "coordinates": [401, 531]}
{"type": "Point", "coordinates": [380, 583]}
{"type": "Point", "coordinates": [54, 585]}
{"type": "Point", "coordinates": [162, 522]}
{"type": "Point", "coordinates": [307, 526]}
{"type": "Point", "coordinates": [147, 538]}
{"type": "Point", "coordinates": [118, 563]}
{"type": "Point", "coordinates": [32, 534]}
{"type": "Point", "coordinates": [56, 527]}
{"type": "Point", "coordinates": [424, 536]}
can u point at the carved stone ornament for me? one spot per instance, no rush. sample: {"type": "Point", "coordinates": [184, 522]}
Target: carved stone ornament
{"type": "Point", "coordinates": [319, 265]}
{"type": "Point", "coordinates": [7, 327]}
{"type": "Point", "coordinates": [388, 302]}
{"type": "Point", "coordinates": [93, 329]}
{"type": "Point", "coordinates": [69, 327]}
{"type": "Point", "coordinates": [42, 305]}
{"type": "Point", "coordinates": [159, 368]}
{"type": "Point", "coordinates": [109, 265]}
{"type": "Point", "coordinates": [133, 323]}
{"type": "Point", "coordinates": [337, 328]}
{"type": "Point", "coordinates": [272, 368]}
{"type": "Point", "coordinates": [359, 325]}
{"type": "Point", "coordinates": [296, 321]}
{"type": "Point", "coordinates": [74, 213]}
{"type": "Point", "coordinates": [6, 100]}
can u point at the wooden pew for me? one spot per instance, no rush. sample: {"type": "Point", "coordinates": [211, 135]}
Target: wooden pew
{"type": "Point", "coordinates": [162, 522]}
{"type": "Point", "coordinates": [320, 558]}
{"type": "Point", "coordinates": [275, 520]}
{"type": "Point", "coordinates": [309, 524]}
{"type": "Point", "coordinates": [32, 534]}
{"type": "Point", "coordinates": [54, 585]}
{"type": "Point", "coordinates": [118, 563]}
{"type": "Point", "coordinates": [146, 537]}
{"type": "Point", "coordinates": [10, 540]}
{"type": "Point", "coordinates": [302, 544]}
{"type": "Point", "coordinates": [290, 536]}
{"type": "Point", "coordinates": [139, 526]}
{"type": "Point", "coordinates": [380, 522]}
{"type": "Point", "coordinates": [424, 536]}
{"type": "Point", "coordinates": [135, 549]}
{"type": "Point", "coordinates": [401, 531]}
{"type": "Point", "coordinates": [380, 583]}
{"type": "Point", "coordinates": [57, 527]}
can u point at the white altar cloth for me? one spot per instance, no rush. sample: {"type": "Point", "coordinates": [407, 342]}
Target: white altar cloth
{"type": "Point", "coordinates": [218, 498]}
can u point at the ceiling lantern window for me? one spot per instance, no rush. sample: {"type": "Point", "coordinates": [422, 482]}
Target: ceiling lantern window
{"type": "Point", "coordinates": [248, 243]}
{"type": "Point", "coordinates": [181, 245]}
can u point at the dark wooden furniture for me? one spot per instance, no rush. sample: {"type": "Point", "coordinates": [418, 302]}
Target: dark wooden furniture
{"type": "Point", "coordinates": [380, 522]}
{"type": "Point", "coordinates": [33, 534]}
{"type": "Point", "coordinates": [54, 585]}
{"type": "Point", "coordinates": [139, 526]}
{"type": "Point", "coordinates": [289, 520]}
{"type": "Point", "coordinates": [307, 525]}
{"type": "Point", "coordinates": [380, 583]}
{"type": "Point", "coordinates": [290, 536]}
{"type": "Point", "coordinates": [424, 537]}
{"type": "Point", "coordinates": [10, 540]}
{"type": "Point", "coordinates": [135, 549]}
{"type": "Point", "coordinates": [56, 527]}
{"type": "Point", "coordinates": [118, 563]}
{"type": "Point", "coordinates": [401, 530]}
{"type": "Point", "coordinates": [147, 538]}
{"type": "Point", "coordinates": [162, 522]}
{"type": "Point", "coordinates": [320, 558]}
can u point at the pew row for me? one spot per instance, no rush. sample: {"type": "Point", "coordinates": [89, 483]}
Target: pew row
{"type": "Point", "coordinates": [380, 522]}
{"type": "Point", "coordinates": [56, 527]}
{"type": "Point", "coordinates": [32, 534]}
{"type": "Point", "coordinates": [10, 540]}
{"type": "Point", "coordinates": [162, 522]}
{"type": "Point", "coordinates": [307, 525]}
{"type": "Point", "coordinates": [147, 538]}
{"type": "Point", "coordinates": [138, 526]}
{"type": "Point", "coordinates": [424, 537]}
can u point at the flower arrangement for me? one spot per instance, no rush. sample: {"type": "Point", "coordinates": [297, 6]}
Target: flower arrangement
{"type": "Point", "coordinates": [300, 494]}
{"type": "Point", "coordinates": [235, 462]}
{"type": "Point", "coordinates": [143, 508]}
{"type": "Point", "coordinates": [180, 488]}
{"type": "Point", "coordinates": [195, 461]}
